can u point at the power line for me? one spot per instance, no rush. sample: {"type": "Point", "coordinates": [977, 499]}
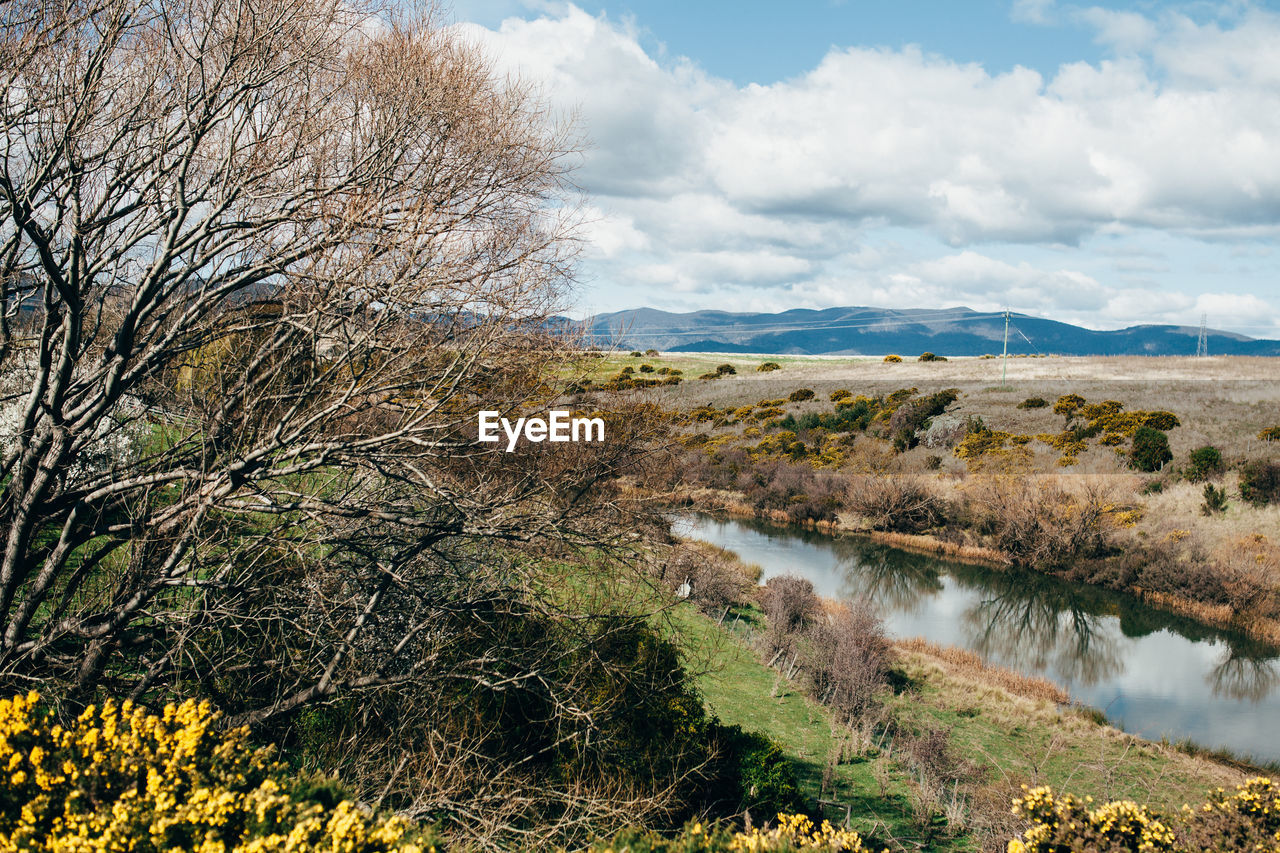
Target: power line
{"type": "Point", "coordinates": [1202, 343]}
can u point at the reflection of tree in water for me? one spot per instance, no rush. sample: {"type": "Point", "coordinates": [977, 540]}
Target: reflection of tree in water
{"type": "Point", "coordinates": [1247, 671]}
{"type": "Point", "coordinates": [1033, 622]}
{"type": "Point", "coordinates": [891, 579]}
{"type": "Point", "coordinates": [1026, 623]}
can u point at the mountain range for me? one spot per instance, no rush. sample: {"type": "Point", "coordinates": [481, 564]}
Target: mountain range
{"type": "Point", "coordinates": [878, 331]}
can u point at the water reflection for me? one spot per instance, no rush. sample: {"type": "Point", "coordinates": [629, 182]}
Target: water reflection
{"type": "Point", "coordinates": [1039, 627]}
{"type": "Point", "coordinates": [889, 578]}
{"type": "Point", "coordinates": [1244, 676]}
{"type": "Point", "coordinates": [1162, 673]}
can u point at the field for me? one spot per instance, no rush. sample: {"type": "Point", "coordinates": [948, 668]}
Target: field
{"type": "Point", "coordinates": [1221, 400]}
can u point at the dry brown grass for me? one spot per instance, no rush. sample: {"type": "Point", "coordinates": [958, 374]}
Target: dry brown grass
{"type": "Point", "coordinates": [931, 545]}
{"type": "Point", "coordinates": [966, 662]}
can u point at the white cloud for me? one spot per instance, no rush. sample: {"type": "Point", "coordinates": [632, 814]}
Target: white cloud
{"type": "Point", "coordinates": [704, 187]}
{"type": "Point", "coordinates": [1125, 32]}
{"type": "Point", "coordinates": [1033, 11]}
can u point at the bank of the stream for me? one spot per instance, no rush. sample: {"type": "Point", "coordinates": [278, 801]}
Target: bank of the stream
{"type": "Point", "coordinates": [997, 739]}
{"type": "Point", "coordinates": [1260, 629]}
{"type": "Point", "coordinates": [1154, 672]}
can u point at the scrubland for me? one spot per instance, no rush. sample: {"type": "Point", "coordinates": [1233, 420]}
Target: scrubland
{"type": "Point", "coordinates": [1039, 471]}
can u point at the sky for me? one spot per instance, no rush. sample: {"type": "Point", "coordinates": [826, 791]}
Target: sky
{"type": "Point", "coordinates": [1107, 165]}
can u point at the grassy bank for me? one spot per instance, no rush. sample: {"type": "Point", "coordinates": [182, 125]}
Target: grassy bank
{"type": "Point", "coordinates": [999, 730]}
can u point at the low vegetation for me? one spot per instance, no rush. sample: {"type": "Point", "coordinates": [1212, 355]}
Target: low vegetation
{"type": "Point", "coordinates": [1247, 818]}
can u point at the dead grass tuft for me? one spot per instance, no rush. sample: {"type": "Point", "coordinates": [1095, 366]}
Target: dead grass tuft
{"type": "Point", "coordinates": [968, 663]}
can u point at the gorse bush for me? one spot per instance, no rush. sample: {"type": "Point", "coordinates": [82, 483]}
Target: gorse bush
{"type": "Point", "coordinates": [1245, 819]}
{"type": "Point", "coordinates": [893, 359]}
{"type": "Point", "coordinates": [1260, 482]}
{"type": "Point", "coordinates": [768, 367]}
{"type": "Point", "coordinates": [123, 779]}
{"type": "Point", "coordinates": [800, 395]}
{"type": "Point", "coordinates": [1203, 463]}
{"type": "Point", "coordinates": [1270, 434]}
{"type": "Point", "coordinates": [1033, 403]}
{"type": "Point", "coordinates": [928, 356]}
{"type": "Point", "coordinates": [1150, 449]}
{"type": "Point", "coordinates": [793, 832]}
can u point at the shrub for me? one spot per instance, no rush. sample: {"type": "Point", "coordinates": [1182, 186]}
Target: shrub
{"type": "Point", "coordinates": [1160, 420]}
{"type": "Point", "coordinates": [840, 394]}
{"type": "Point", "coordinates": [1067, 405]}
{"type": "Point", "coordinates": [1041, 524]}
{"type": "Point", "coordinates": [928, 356]}
{"type": "Point", "coordinates": [636, 354]}
{"type": "Point", "coordinates": [1245, 819]}
{"type": "Point", "coordinates": [651, 352]}
{"type": "Point", "coordinates": [627, 371]}
{"type": "Point", "coordinates": [717, 580]}
{"type": "Point", "coordinates": [646, 368]}
{"type": "Point", "coordinates": [1150, 449]}
{"type": "Point", "coordinates": [789, 605]}
{"type": "Point", "coordinates": [710, 376]}
{"type": "Point", "coordinates": [1260, 482]}
{"type": "Point", "coordinates": [800, 395]}
{"type": "Point", "coordinates": [1203, 463]}
{"type": "Point", "coordinates": [1033, 403]}
{"type": "Point", "coordinates": [1270, 434]}
{"type": "Point", "coordinates": [1215, 500]}
{"type": "Point", "coordinates": [933, 462]}
{"type": "Point", "coordinates": [121, 778]}
{"type": "Point", "coordinates": [910, 417]}
{"type": "Point", "coordinates": [893, 359]}
{"type": "Point", "coordinates": [794, 832]}
{"type": "Point", "coordinates": [726, 369]}
{"type": "Point", "coordinates": [847, 660]}
{"type": "Point", "coordinates": [768, 366]}
{"type": "Point", "coordinates": [900, 504]}
{"type": "Point", "coordinates": [765, 777]}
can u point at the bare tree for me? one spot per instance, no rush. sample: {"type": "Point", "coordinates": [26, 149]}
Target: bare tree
{"type": "Point", "coordinates": [262, 263]}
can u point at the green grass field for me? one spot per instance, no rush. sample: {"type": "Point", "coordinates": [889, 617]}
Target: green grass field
{"type": "Point", "coordinates": [1002, 740]}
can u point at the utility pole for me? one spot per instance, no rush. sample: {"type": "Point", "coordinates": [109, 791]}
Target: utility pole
{"type": "Point", "coordinates": [1004, 369]}
{"type": "Point", "coordinates": [1202, 343]}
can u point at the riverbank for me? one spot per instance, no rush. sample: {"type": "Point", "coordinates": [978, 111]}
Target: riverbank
{"type": "Point", "coordinates": [1261, 629]}
{"type": "Point", "coordinates": [990, 731]}
{"type": "Point", "coordinates": [1153, 672]}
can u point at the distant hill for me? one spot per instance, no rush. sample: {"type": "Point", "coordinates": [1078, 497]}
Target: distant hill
{"type": "Point", "coordinates": [875, 331]}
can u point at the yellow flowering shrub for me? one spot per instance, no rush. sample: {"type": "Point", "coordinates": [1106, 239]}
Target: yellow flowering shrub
{"type": "Point", "coordinates": [793, 832]}
{"type": "Point", "coordinates": [123, 779]}
{"type": "Point", "coordinates": [798, 832]}
{"type": "Point", "coordinates": [1245, 819]}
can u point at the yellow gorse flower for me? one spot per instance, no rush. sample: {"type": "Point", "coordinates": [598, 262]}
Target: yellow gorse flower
{"type": "Point", "coordinates": [123, 779]}
{"type": "Point", "coordinates": [798, 832]}
{"type": "Point", "coordinates": [1252, 811]}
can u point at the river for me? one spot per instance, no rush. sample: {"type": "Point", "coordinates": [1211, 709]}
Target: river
{"type": "Point", "coordinates": [1152, 673]}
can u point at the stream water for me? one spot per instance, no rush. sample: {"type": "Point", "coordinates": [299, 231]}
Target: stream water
{"type": "Point", "coordinates": [1150, 672]}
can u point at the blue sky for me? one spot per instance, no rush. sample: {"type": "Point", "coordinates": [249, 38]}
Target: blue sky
{"type": "Point", "coordinates": [1101, 163]}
